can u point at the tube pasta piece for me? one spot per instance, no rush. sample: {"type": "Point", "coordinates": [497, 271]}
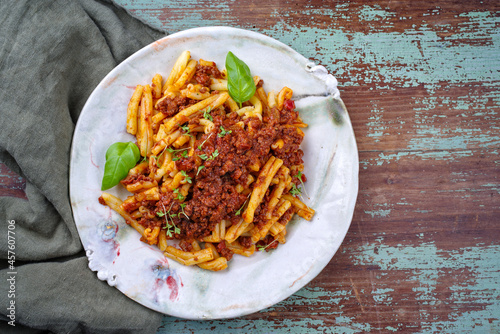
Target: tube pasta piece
{"type": "Point", "coordinates": [283, 206]}
{"type": "Point", "coordinates": [162, 240]}
{"type": "Point", "coordinates": [156, 86]}
{"type": "Point", "coordinates": [255, 234]}
{"type": "Point", "coordinates": [277, 144]}
{"type": "Point", "coordinates": [276, 228]}
{"type": "Point", "coordinates": [179, 66]}
{"type": "Point", "coordinates": [217, 264]}
{"type": "Point", "coordinates": [186, 75]}
{"type": "Point", "coordinates": [136, 214]}
{"type": "Point", "coordinates": [181, 140]}
{"type": "Point", "coordinates": [271, 99]}
{"type": "Point", "coordinates": [208, 125]}
{"type": "Point", "coordinates": [218, 84]}
{"type": "Point", "coordinates": [185, 190]}
{"type": "Point", "coordinates": [257, 111]}
{"type": "Point", "coordinates": [261, 94]}
{"type": "Point", "coordinates": [302, 210]}
{"type": "Point", "coordinates": [145, 212]}
{"type": "Point", "coordinates": [214, 237]}
{"type": "Point", "coordinates": [236, 230]}
{"type": "Point", "coordinates": [237, 248]}
{"type": "Point", "coordinates": [138, 169]}
{"type": "Point", "coordinates": [151, 236]}
{"type": "Point", "coordinates": [145, 131]}
{"type": "Point", "coordinates": [256, 80]}
{"type": "Point", "coordinates": [140, 185]}
{"type": "Point", "coordinates": [233, 106]}
{"type": "Point", "coordinates": [212, 247]}
{"type": "Point", "coordinates": [163, 143]}
{"type": "Point", "coordinates": [176, 182]}
{"type": "Point", "coordinates": [214, 265]}
{"type": "Point", "coordinates": [222, 230]}
{"type": "Point", "coordinates": [152, 194]}
{"type": "Point", "coordinates": [278, 190]}
{"type": "Point", "coordinates": [132, 108]}
{"type": "Point", "coordinates": [281, 236]}
{"type": "Point", "coordinates": [284, 94]}
{"type": "Point", "coordinates": [195, 92]}
{"type": "Point", "coordinates": [245, 111]}
{"type": "Point", "coordinates": [130, 204]}
{"type": "Point", "coordinates": [114, 203]}
{"type": "Point", "coordinates": [157, 124]}
{"type": "Point", "coordinates": [196, 246]}
{"type": "Point", "coordinates": [260, 187]}
{"type": "Point", "coordinates": [212, 102]}
{"type": "Point", "coordinates": [189, 258]}
{"type": "Point", "coordinates": [306, 214]}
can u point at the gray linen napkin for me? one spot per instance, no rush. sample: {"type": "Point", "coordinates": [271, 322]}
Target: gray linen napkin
{"type": "Point", "coordinates": [52, 55]}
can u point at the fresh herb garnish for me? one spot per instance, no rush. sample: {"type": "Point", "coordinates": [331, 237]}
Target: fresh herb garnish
{"type": "Point", "coordinates": [262, 248]}
{"type": "Point", "coordinates": [178, 196]}
{"type": "Point", "coordinates": [214, 155]}
{"type": "Point", "coordinates": [170, 226]}
{"type": "Point", "coordinates": [199, 168]}
{"type": "Point", "coordinates": [187, 178]}
{"type": "Point", "coordinates": [199, 146]}
{"type": "Point", "coordinates": [183, 205]}
{"type": "Point", "coordinates": [240, 83]}
{"type": "Point", "coordinates": [237, 213]}
{"type": "Point", "coordinates": [211, 157]}
{"type": "Point", "coordinates": [299, 176]}
{"type": "Point", "coordinates": [295, 190]}
{"type": "Point", "coordinates": [120, 158]}
{"type": "Point", "coordinates": [184, 154]}
{"type": "Point", "coordinates": [185, 128]}
{"type": "Point", "coordinates": [157, 161]}
{"type": "Point", "coordinates": [207, 116]}
{"type": "Point", "coordinates": [223, 132]}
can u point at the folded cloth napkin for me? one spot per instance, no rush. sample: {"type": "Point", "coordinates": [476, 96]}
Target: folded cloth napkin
{"type": "Point", "coordinates": [52, 55]}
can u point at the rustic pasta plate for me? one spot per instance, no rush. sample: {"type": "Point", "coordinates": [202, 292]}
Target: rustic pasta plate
{"type": "Point", "coordinates": [249, 284]}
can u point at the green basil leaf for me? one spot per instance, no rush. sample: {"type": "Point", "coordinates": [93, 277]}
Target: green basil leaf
{"type": "Point", "coordinates": [240, 83]}
{"type": "Point", "coordinates": [120, 158]}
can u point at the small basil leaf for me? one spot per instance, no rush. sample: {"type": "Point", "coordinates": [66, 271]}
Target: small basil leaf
{"type": "Point", "coordinates": [120, 158]}
{"type": "Point", "coordinates": [240, 83]}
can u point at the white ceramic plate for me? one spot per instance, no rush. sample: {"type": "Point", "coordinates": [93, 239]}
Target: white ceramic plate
{"type": "Point", "coordinates": [249, 284]}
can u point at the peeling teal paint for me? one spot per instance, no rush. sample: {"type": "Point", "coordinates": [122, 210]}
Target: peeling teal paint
{"type": "Point", "coordinates": [381, 213]}
{"type": "Point", "coordinates": [421, 263]}
{"type": "Point", "coordinates": [387, 61]}
{"type": "Point", "coordinates": [398, 59]}
{"type": "Point", "coordinates": [374, 13]}
{"type": "Point", "coordinates": [376, 125]}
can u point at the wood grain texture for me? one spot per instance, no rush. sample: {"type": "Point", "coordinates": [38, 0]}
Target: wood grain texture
{"type": "Point", "coordinates": [421, 82]}
{"type": "Point", "coordinates": [11, 184]}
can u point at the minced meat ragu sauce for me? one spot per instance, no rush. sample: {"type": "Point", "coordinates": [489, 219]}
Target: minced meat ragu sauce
{"type": "Point", "coordinates": [214, 196]}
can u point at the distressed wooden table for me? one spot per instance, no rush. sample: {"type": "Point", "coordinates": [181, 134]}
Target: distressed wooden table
{"type": "Point", "coordinates": [421, 82]}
